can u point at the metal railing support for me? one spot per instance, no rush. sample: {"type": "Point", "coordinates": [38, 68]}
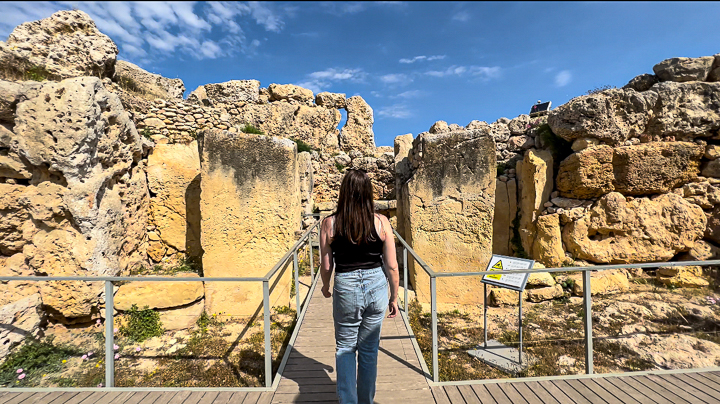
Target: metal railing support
{"type": "Point", "coordinates": [587, 304]}
{"type": "Point", "coordinates": [268, 341]}
{"type": "Point", "coordinates": [405, 278]}
{"type": "Point", "coordinates": [433, 309]}
{"type": "Point", "coordinates": [296, 269]}
{"type": "Point", "coordinates": [312, 264]}
{"type": "Point", "coordinates": [109, 336]}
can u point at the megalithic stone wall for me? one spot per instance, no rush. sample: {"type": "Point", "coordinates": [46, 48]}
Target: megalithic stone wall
{"type": "Point", "coordinates": [250, 210]}
{"type": "Point", "coordinates": [448, 207]}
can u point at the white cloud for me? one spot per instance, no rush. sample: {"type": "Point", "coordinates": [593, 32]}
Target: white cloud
{"type": "Point", "coordinates": [563, 78]}
{"type": "Point", "coordinates": [484, 72]}
{"type": "Point", "coordinates": [399, 111]}
{"type": "Point", "coordinates": [410, 94]}
{"type": "Point", "coordinates": [160, 29]}
{"type": "Point", "coordinates": [421, 58]}
{"type": "Point", "coordinates": [461, 16]}
{"type": "Point", "coordinates": [400, 79]}
{"type": "Point", "coordinates": [322, 80]}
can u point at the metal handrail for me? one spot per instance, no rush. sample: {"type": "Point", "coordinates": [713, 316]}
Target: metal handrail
{"type": "Point", "coordinates": [587, 298]}
{"type": "Point", "coordinates": [305, 239]}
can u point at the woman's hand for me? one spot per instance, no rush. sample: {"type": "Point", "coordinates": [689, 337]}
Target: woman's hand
{"type": "Point", "coordinates": [393, 309]}
{"type": "Point", "coordinates": [326, 291]}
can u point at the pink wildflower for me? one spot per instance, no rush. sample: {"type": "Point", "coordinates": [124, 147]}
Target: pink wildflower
{"type": "Point", "coordinates": [90, 354]}
{"type": "Point", "coordinates": [22, 376]}
{"type": "Point", "coordinates": [100, 385]}
{"type": "Point", "coordinates": [115, 331]}
{"type": "Point", "coordinates": [19, 371]}
{"type": "Point", "coordinates": [138, 349]}
{"type": "Point", "coordinates": [115, 347]}
{"type": "Point", "coordinates": [117, 356]}
{"type": "Point", "coordinates": [84, 357]}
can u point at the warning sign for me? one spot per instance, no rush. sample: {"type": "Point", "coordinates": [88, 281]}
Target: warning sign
{"type": "Point", "coordinates": [510, 281]}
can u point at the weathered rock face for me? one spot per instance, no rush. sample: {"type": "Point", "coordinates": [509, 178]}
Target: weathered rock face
{"type": "Point", "coordinates": [305, 172]}
{"type": "Point", "coordinates": [159, 295]}
{"type": "Point", "coordinates": [603, 283]}
{"type": "Point", "coordinates": [547, 246]}
{"type": "Point", "coordinates": [685, 110]}
{"type": "Point", "coordinates": [403, 171]}
{"type": "Point", "coordinates": [84, 210]}
{"type": "Point", "coordinates": [19, 320]}
{"type": "Point", "coordinates": [505, 213]}
{"type": "Point", "coordinates": [150, 83]}
{"type": "Point", "coordinates": [642, 230]}
{"type": "Point", "coordinates": [684, 69]}
{"type": "Point", "coordinates": [250, 204]}
{"type": "Point", "coordinates": [331, 100]}
{"type": "Point", "coordinates": [450, 203]}
{"type": "Point", "coordinates": [642, 82]}
{"type": "Point", "coordinates": [682, 277]}
{"type": "Point", "coordinates": [291, 93]}
{"type": "Point", "coordinates": [66, 44]}
{"type": "Point", "coordinates": [535, 175]}
{"type": "Point", "coordinates": [644, 169]}
{"type": "Point", "coordinates": [173, 174]}
{"type": "Point", "coordinates": [229, 92]}
{"type": "Point", "coordinates": [357, 134]}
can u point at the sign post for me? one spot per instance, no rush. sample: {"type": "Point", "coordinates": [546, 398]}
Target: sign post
{"type": "Point", "coordinates": [514, 282]}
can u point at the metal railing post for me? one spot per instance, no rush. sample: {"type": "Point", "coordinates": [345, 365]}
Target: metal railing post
{"type": "Point", "coordinates": [109, 336]}
{"type": "Point", "coordinates": [296, 269]}
{"type": "Point", "coordinates": [587, 300]}
{"type": "Point", "coordinates": [312, 264]}
{"type": "Point", "coordinates": [405, 280]}
{"type": "Point", "coordinates": [268, 341]}
{"type": "Point", "coordinates": [433, 309]}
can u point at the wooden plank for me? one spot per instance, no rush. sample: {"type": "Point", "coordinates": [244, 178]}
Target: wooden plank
{"type": "Point", "coordinates": [81, 396]}
{"type": "Point", "coordinates": [266, 397]}
{"type": "Point", "coordinates": [700, 387]}
{"type": "Point", "coordinates": [209, 397]}
{"type": "Point", "coordinates": [483, 394]}
{"type": "Point", "coordinates": [511, 393]}
{"type": "Point", "coordinates": [117, 397]}
{"type": "Point", "coordinates": [11, 396]}
{"type": "Point", "coordinates": [194, 397]}
{"type": "Point", "coordinates": [667, 393]}
{"type": "Point", "coordinates": [703, 377]}
{"type": "Point", "coordinates": [555, 392]}
{"type": "Point", "coordinates": [585, 391]}
{"type": "Point", "coordinates": [710, 376]}
{"type": "Point", "coordinates": [287, 388]}
{"type": "Point", "coordinates": [223, 397]}
{"type": "Point", "coordinates": [18, 398]}
{"type": "Point", "coordinates": [251, 397]}
{"type": "Point", "coordinates": [439, 395]}
{"type": "Point", "coordinates": [454, 395]}
{"type": "Point", "coordinates": [167, 397]}
{"type": "Point", "coordinates": [468, 394]}
{"type": "Point", "coordinates": [629, 390]}
{"type": "Point", "coordinates": [497, 394]}
{"type": "Point", "coordinates": [616, 392]}
{"type": "Point", "coordinates": [597, 390]}
{"type": "Point", "coordinates": [690, 386]}
{"type": "Point", "coordinates": [541, 393]}
{"type": "Point", "coordinates": [570, 392]}
{"type": "Point", "coordinates": [526, 393]}
{"type": "Point", "coordinates": [298, 398]}
{"type": "Point", "coordinates": [180, 397]}
{"type": "Point", "coordinates": [136, 398]}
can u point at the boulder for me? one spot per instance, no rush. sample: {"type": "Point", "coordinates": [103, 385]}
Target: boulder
{"type": "Point", "coordinates": [316, 126]}
{"type": "Point", "coordinates": [682, 277]}
{"type": "Point", "coordinates": [535, 181]}
{"type": "Point", "coordinates": [684, 69]}
{"type": "Point", "coordinates": [19, 320]}
{"type": "Point", "coordinates": [478, 125]}
{"type": "Point", "coordinates": [685, 110]}
{"type": "Point", "coordinates": [499, 132]}
{"type": "Point", "coordinates": [712, 151]}
{"type": "Point", "coordinates": [128, 74]}
{"type": "Point", "coordinates": [182, 318]}
{"type": "Point", "coordinates": [547, 246]}
{"type": "Point", "coordinates": [13, 291]}
{"type": "Point", "coordinates": [230, 92]}
{"type": "Point", "coordinates": [642, 82]}
{"type": "Point", "coordinates": [305, 172]}
{"type": "Point", "coordinates": [250, 204]}
{"type": "Point", "coordinates": [289, 92]}
{"type": "Point", "coordinates": [584, 143]}
{"type": "Point", "coordinates": [66, 44]}
{"type": "Point", "coordinates": [702, 194]}
{"type": "Point", "coordinates": [674, 351]}
{"type": "Point", "coordinates": [84, 211]}
{"type": "Point", "coordinates": [331, 100]}
{"type": "Point", "coordinates": [616, 231]}
{"type": "Point", "coordinates": [159, 295]}
{"type": "Point", "coordinates": [521, 142]}
{"type": "Point", "coordinates": [711, 168]}
{"type": "Point", "coordinates": [505, 297]}
{"type": "Point", "coordinates": [439, 127]}
{"type": "Point", "coordinates": [544, 294]}
{"type": "Point", "coordinates": [357, 134]}
{"type": "Point", "coordinates": [403, 171]}
{"type": "Point", "coordinates": [173, 174]}
{"type": "Point", "coordinates": [520, 125]}
{"type": "Point", "coordinates": [701, 251]}
{"type": "Point", "coordinates": [715, 72]}
{"type": "Point", "coordinates": [712, 231]}
{"type": "Point", "coordinates": [603, 283]}
{"type": "Point", "coordinates": [643, 169]}
{"type": "Point", "coordinates": [502, 219]}
{"type": "Point", "coordinates": [449, 212]}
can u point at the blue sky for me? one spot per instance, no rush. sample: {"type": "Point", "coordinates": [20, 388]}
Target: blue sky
{"type": "Point", "coordinates": [413, 62]}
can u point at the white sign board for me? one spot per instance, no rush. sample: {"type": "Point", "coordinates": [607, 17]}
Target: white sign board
{"type": "Point", "coordinates": [511, 281]}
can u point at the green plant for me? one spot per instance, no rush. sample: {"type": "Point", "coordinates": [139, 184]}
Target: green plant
{"type": "Point", "coordinates": [35, 358]}
{"type": "Point", "coordinates": [501, 167]}
{"type": "Point", "coordinates": [141, 324]}
{"type": "Point", "coordinates": [599, 89]}
{"type": "Point", "coordinates": [251, 129]}
{"type": "Point", "coordinates": [128, 84]}
{"type": "Point", "coordinates": [206, 321]}
{"type": "Point", "coordinates": [146, 133]}
{"type": "Point", "coordinates": [339, 167]}
{"type": "Point", "coordinates": [568, 284]}
{"type": "Point", "coordinates": [292, 289]}
{"type": "Point", "coordinates": [192, 133]}
{"type": "Point", "coordinates": [37, 73]}
{"type": "Point", "coordinates": [302, 146]}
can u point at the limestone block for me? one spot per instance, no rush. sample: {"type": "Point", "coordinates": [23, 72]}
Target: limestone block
{"type": "Point", "coordinates": [182, 318]}
{"type": "Point", "coordinates": [403, 171]}
{"type": "Point", "coordinates": [603, 283]}
{"type": "Point", "coordinates": [685, 110]}
{"type": "Point", "coordinates": [502, 220]}
{"type": "Point", "coordinates": [306, 178]}
{"type": "Point", "coordinates": [547, 247]}
{"type": "Point", "coordinates": [19, 319]}
{"type": "Point", "coordinates": [643, 169]}
{"type": "Point", "coordinates": [149, 83]}
{"type": "Point", "coordinates": [682, 277]}
{"type": "Point", "coordinates": [616, 231]}
{"type": "Point", "coordinates": [331, 100]}
{"type": "Point", "coordinates": [290, 92]}
{"type": "Point", "coordinates": [357, 134]}
{"type": "Point", "coordinates": [584, 143]}
{"type": "Point", "coordinates": [13, 291]}
{"type": "Point", "coordinates": [250, 204]}
{"type": "Point", "coordinates": [543, 294]}
{"type": "Point", "coordinates": [505, 297]}
{"type": "Point", "coordinates": [711, 168]}
{"type": "Point", "coordinates": [230, 92]}
{"type": "Point", "coordinates": [173, 174]}
{"type": "Point", "coordinates": [519, 125]}
{"type": "Point", "coordinates": [701, 251]}
{"type": "Point", "coordinates": [159, 295]}
{"type": "Point", "coordinates": [449, 212]}
{"type": "Point", "coordinates": [712, 152]}
{"type": "Point", "coordinates": [66, 44]}
{"type": "Point", "coordinates": [535, 177]}
{"type": "Point", "coordinates": [642, 82]}
{"type": "Point", "coordinates": [712, 231]}
{"type": "Point", "coordinates": [316, 126]}
{"type": "Point", "coordinates": [439, 127]}
{"type": "Point", "coordinates": [715, 72]}
{"type": "Point", "coordinates": [684, 69]}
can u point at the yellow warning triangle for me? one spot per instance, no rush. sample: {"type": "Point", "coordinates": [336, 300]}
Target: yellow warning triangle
{"type": "Point", "coordinates": [498, 265]}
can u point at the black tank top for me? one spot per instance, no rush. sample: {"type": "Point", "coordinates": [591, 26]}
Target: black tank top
{"type": "Point", "coordinates": [350, 257]}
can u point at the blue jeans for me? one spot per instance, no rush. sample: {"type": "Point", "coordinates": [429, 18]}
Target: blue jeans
{"type": "Point", "coordinates": [360, 299]}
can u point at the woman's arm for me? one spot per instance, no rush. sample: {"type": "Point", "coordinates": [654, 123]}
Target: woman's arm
{"type": "Point", "coordinates": [391, 265]}
{"type": "Point", "coordinates": [326, 257]}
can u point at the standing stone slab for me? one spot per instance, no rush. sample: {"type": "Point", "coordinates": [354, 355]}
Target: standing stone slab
{"type": "Point", "coordinates": [535, 175]}
{"type": "Point", "coordinates": [250, 208]}
{"type": "Point", "coordinates": [449, 212]}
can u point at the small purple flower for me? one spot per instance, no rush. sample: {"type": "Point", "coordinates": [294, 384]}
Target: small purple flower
{"type": "Point", "coordinates": [115, 347]}
{"type": "Point", "coordinates": [90, 354]}
{"type": "Point", "coordinates": [138, 349]}
{"type": "Point", "coordinates": [100, 385]}
{"type": "Point", "coordinates": [115, 331]}
{"type": "Point", "coordinates": [19, 371]}
{"type": "Point", "coordinates": [22, 376]}
{"type": "Point", "coordinates": [117, 356]}
{"type": "Point", "coordinates": [84, 357]}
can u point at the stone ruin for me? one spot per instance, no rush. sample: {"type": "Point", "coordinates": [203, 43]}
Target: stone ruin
{"type": "Point", "coordinates": [105, 169]}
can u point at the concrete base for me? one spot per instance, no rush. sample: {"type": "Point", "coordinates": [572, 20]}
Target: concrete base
{"type": "Point", "coordinates": [501, 357]}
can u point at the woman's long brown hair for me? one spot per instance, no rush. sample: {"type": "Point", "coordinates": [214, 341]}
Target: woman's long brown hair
{"type": "Point", "coordinates": [354, 217]}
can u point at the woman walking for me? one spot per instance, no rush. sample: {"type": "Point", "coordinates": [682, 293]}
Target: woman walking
{"type": "Point", "coordinates": [358, 243]}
